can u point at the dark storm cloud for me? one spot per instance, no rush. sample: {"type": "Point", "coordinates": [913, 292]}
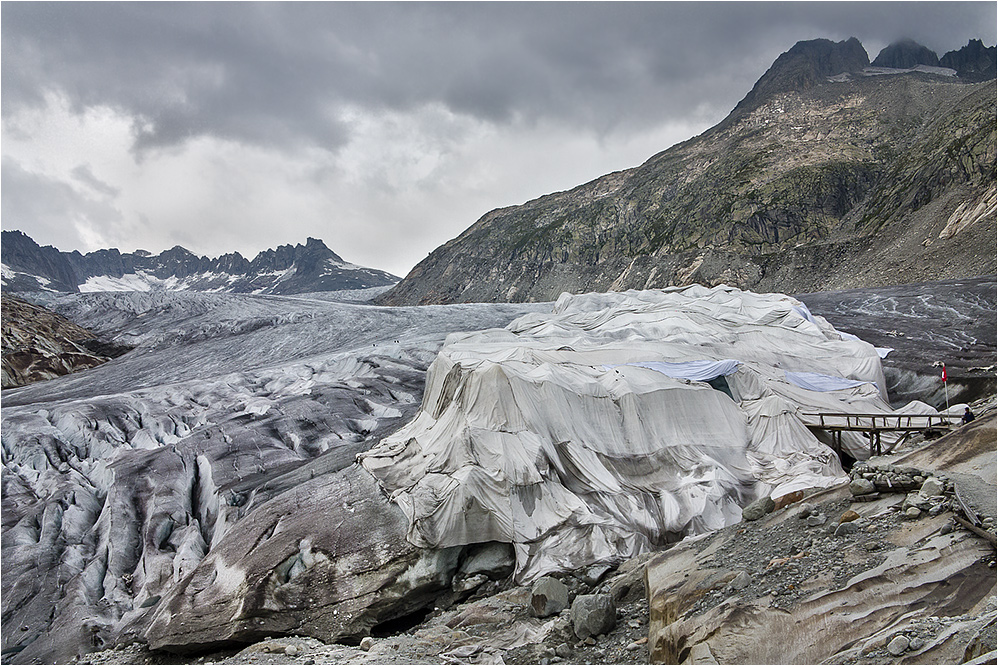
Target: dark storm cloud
{"type": "Point", "coordinates": [277, 73]}
{"type": "Point", "coordinates": [383, 128]}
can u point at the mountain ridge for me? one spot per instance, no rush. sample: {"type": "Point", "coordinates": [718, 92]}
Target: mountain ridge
{"type": "Point", "coordinates": [865, 178]}
{"type": "Point", "coordinates": [287, 269]}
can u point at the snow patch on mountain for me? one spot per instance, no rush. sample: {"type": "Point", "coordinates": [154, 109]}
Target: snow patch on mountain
{"type": "Point", "coordinates": [312, 267]}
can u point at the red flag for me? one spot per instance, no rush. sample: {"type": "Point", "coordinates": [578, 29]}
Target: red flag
{"type": "Point", "coordinates": [944, 372]}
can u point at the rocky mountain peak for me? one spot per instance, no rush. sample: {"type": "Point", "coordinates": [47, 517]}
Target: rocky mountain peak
{"type": "Point", "coordinates": [315, 244]}
{"type": "Point", "coordinates": [315, 247]}
{"type": "Point", "coordinates": [828, 174]}
{"type": "Point", "coordinates": [905, 54]}
{"type": "Point", "coordinates": [805, 65]}
{"type": "Point", "coordinates": [287, 269]}
{"type": "Point", "coordinates": [973, 62]}
{"type": "Point", "coordinates": [284, 257]}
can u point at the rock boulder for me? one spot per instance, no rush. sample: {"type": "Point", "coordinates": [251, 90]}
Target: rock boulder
{"type": "Point", "coordinates": [758, 508]}
{"type": "Point", "coordinates": [593, 615]}
{"type": "Point", "coordinates": [328, 559]}
{"type": "Point", "coordinates": [548, 596]}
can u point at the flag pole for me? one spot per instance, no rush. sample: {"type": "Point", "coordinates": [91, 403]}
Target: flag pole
{"type": "Point", "coordinates": [945, 387]}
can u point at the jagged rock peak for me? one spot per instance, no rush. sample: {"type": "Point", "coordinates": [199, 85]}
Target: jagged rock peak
{"type": "Point", "coordinates": [827, 57]}
{"type": "Point", "coordinates": [805, 65]}
{"type": "Point", "coordinates": [284, 270]}
{"type": "Point", "coordinates": [973, 62]}
{"type": "Point", "coordinates": [905, 54]}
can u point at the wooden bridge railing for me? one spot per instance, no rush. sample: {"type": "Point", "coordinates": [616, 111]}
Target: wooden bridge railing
{"type": "Point", "coordinates": [875, 424]}
{"type": "Point", "coordinates": [882, 422]}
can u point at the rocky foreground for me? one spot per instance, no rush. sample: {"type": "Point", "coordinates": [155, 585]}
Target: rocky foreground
{"type": "Point", "coordinates": [881, 570]}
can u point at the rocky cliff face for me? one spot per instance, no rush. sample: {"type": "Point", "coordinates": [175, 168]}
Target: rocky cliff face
{"type": "Point", "coordinates": [974, 62]}
{"type": "Point", "coordinates": [905, 54]}
{"type": "Point", "coordinates": [825, 176]}
{"type": "Point", "coordinates": [805, 65]}
{"type": "Point", "coordinates": [286, 270]}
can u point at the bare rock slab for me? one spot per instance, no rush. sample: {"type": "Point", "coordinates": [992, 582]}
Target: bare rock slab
{"type": "Point", "coordinates": [691, 612]}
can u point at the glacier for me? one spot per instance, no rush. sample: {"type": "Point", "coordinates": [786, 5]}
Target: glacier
{"type": "Point", "coordinates": [204, 489]}
{"type": "Point", "coordinates": [121, 481]}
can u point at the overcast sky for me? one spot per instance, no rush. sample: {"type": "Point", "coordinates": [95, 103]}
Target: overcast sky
{"type": "Point", "coordinates": [383, 129]}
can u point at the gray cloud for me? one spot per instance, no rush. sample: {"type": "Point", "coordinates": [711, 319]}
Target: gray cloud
{"type": "Point", "coordinates": [50, 211]}
{"type": "Point", "coordinates": [391, 126]}
{"type": "Point", "coordinates": [271, 72]}
{"type": "Point", "coordinates": [84, 174]}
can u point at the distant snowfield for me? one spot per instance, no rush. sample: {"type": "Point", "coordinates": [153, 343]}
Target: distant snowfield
{"type": "Point", "coordinates": [144, 281]}
{"type": "Point", "coordinates": [127, 282]}
{"type": "Point", "coordinates": [205, 282]}
{"type": "Point", "coordinates": [7, 274]}
{"type": "Point", "coordinates": [927, 69]}
{"type": "Point", "coordinates": [887, 71]}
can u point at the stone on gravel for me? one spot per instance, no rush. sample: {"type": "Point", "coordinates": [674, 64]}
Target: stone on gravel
{"type": "Point", "coordinates": [848, 516]}
{"type": "Point", "coordinates": [741, 581]}
{"type": "Point", "coordinates": [804, 510]}
{"type": "Point", "coordinates": [366, 643]}
{"type": "Point", "coordinates": [816, 520]}
{"type": "Point", "coordinates": [758, 508]}
{"type": "Point", "coordinates": [291, 650]}
{"type": "Point", "coordinates": [932, 487]}
{"type": "Point", "coordinates": [846, 528]}
{"type": "Point", "coordinates": [788, 499]}
{"type": "Point", "coordinates": [898, 645]}
{"type": "Point", "coordinates": [549, 596]}
{"type": "Point", "coordinates": [593, 614]}
{"type": "Point", "coordinates": [862, 487]}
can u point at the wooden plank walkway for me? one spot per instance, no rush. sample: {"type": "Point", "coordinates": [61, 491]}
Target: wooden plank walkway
{"type": "Point", "coordinates": [872, 425]}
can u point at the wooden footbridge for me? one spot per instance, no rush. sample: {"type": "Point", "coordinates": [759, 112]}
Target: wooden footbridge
{"type": "Point", "coordinates": [873, 425]}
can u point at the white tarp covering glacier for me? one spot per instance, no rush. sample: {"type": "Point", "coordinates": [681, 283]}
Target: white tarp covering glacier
{"type": "Point", "coordinates": [590, 434]}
